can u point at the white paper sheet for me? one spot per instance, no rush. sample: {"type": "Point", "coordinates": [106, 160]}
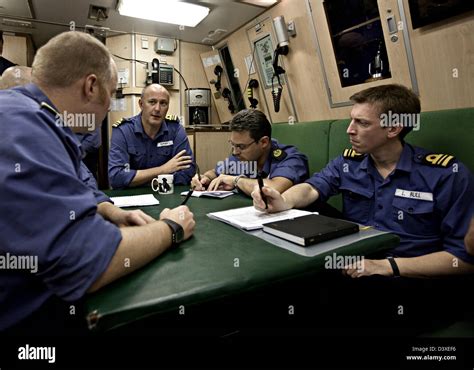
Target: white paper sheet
{"type": "Point", "coordinates": [249, 218]}
{"type": "Point", "coordinates": [135, 201]}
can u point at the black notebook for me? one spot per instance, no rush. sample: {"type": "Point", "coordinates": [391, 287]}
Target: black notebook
{"type": "Point", "coordinates": [310, 229]}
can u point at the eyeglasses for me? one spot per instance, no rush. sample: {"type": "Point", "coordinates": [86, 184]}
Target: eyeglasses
{"type": "Point", "coordinates": [241, 147]}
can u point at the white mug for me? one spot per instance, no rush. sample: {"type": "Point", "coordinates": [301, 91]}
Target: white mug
{"type": "Point", "coordinates": [163, 184]}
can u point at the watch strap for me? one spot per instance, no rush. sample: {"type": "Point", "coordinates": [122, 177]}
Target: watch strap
{"type": "Point", "coordinates": [175, 228]}
{"type": "Point", "coordinates": [393, 263]}
{"type": "Point", "coordinates": [236, 180]}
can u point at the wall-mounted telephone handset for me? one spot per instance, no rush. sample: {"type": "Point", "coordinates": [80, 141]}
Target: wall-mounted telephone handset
{"type": "Point", "coordinates": [228, 95]}
{"type": "Point", "coordinates": [155, 71]}
{"type": "Point", "coordinates": [252, 84]}
{"type": "Point", "coordinates": [277, 90]}
{"type": "Point", "coordinates": [218, 72]}
{"type": "Point", "coordinates": [282, 49]}
{"type": "Point", "coordinates": [160, 73]}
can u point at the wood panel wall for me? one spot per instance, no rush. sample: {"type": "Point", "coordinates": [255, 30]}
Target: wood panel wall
{"type": "Point", "coordinates": [439, 51]}
{"type": "Point", "coordinates": [15, 49]}
{"type": "Point", "coordinates": [444, 62]}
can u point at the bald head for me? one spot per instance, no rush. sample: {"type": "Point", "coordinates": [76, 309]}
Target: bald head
{"type": "Point", "coordinates": [15, 76]}
{"type": "Point", "coordinates": [155, 88]}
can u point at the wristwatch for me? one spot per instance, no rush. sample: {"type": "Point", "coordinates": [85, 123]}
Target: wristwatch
{"type": "Point", "coordinates": [236, 180]}
{"type": "Point", "coordinates": [396, 271]}
{"type": "Point", "coordinates": [177, 232]}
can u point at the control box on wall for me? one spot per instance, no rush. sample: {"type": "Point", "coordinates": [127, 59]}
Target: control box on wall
{"type": "Point", "coordinates": [165, 46]}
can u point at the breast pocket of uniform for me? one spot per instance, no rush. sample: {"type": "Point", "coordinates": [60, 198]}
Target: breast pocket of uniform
{"type": "Point", "coordinates": [137, 156]}
{"type": "Point", "coordinates": [415, 216]}
{"type": "Point", "coordinates": [164, 153]}
{"type": "Point", "coordinates": [357, 203]}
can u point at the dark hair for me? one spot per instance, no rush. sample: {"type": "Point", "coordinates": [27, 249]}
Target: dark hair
{"type": "Point", "coordinates": [252, 120]}
{"type": "Point", "coordinates": [390, 98]}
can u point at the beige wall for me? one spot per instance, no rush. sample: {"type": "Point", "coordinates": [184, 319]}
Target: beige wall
{"type": "Point", "coordinates": [439, 53]}
{"type": "Point", "coordinates": [444, 58]}
{"type": "Point", "coordinates": [185, 58]}
{"type": "Point", "coordinates": [193, 72]}
{"type": "Point", "coordinates": [15, 49]}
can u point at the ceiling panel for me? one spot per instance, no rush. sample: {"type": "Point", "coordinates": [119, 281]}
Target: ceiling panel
{"type": "Point", "coordinates": [54, 16]}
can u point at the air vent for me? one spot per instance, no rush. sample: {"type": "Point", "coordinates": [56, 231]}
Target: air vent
{"type": "Point", "coordinates": [16, 23]}
{"type": "Point", "coordinates": [98, 13]}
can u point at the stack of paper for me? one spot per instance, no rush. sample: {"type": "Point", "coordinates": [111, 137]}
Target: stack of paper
{"type": "Point", "coordinates": [249, 218]}
{"type": "Point", "coordinates": [135, 201]}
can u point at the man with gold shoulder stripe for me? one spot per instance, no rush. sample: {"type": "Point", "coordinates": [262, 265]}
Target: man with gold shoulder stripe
{"type": "Point", "coordinates": [255, 151]}
{"type": "Point", "coordinates": [50, 212]}
{"type": "Point", "coordinates": [425, 198]}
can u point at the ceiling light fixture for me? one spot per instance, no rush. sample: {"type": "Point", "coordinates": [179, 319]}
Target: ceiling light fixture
{"type": "Point", "coordinates": [166, 11]}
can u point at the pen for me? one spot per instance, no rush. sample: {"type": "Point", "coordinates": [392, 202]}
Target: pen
{"type": "Point", "coordinates": [187, 196]}
{"type": "Point", "coordinates": [198, 172]}
{"type": "Point", "coordinates": [260, 185]}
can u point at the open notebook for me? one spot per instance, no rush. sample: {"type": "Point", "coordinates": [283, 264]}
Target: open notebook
{"type": "Point", "coordinates": [210, 194]}
{"type": "Point", "coordinates": [249, 218]}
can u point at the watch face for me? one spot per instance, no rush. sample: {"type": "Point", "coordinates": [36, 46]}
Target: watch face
{"type": "Point", "coordinates": [178, 232]}
{"type": "Point", "coordinates": [179, 235]}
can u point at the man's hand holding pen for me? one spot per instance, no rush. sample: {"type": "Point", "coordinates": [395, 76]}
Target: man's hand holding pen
{"type": "Point", "coordinates": [260, 187]}
{"type": "Point", "coordinates": [200, 182]}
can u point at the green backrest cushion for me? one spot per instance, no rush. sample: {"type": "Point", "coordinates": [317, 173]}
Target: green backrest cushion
{"type": "Point", "coordinates": [448, 132]}
{"type": "Point", "coordinates": [338, 141]}
{"type": "Point", "coordinates": [311, 138]}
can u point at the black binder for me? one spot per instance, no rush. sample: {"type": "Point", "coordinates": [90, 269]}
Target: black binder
{"type": "Point", "coordinates": [310, 229]}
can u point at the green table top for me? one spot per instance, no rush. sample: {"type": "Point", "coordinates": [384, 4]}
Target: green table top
{"type": "Point", "coordinates": [218, 261]}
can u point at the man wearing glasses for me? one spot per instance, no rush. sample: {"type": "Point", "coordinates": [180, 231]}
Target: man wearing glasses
{"type": "Point", "coordinates": [148, 144]}
{"type": "Point", "coordinates": [254, 152]}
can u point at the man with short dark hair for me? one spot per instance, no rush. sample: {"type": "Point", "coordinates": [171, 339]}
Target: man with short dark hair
{"type": "Point", "coordinates": [425, 198]}
{"type": "Point", "coordinates": [253, 152]}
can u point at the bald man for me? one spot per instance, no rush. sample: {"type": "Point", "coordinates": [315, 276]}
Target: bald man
{"type": "Point", "coordinates": [15, 76]}
{"type": "Point", "coordinates": [148, 144]}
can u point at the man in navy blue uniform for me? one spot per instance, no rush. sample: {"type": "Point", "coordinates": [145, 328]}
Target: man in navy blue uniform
{"type": "Point", "coordinates": [148, 144]}
{"type": "Point", "coordinates": [90, 144]}
{"type": "Point", "coordinates": [48, 213]}
{"type": "Point", "coordinates": [425, 198]}
{"type": "Point", "coordinates": [253, 152]}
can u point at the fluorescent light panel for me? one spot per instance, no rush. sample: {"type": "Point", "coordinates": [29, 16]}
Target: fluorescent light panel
{"type": "Point", "coordinates": [261, 3]}
{"type": "Point", "coordinates": [166, 11]}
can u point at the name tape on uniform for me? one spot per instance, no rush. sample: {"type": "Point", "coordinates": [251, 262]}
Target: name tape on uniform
{"type": "Point", "coordinates": [165, 143]}
{"type": "Point", "coordinates": [414, 194]}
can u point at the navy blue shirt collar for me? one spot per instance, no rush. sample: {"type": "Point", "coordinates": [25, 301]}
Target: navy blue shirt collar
{"type": "Point", "coordinates": [404, 162]}
{"type": "Point", "coordinates": [138, 128]}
